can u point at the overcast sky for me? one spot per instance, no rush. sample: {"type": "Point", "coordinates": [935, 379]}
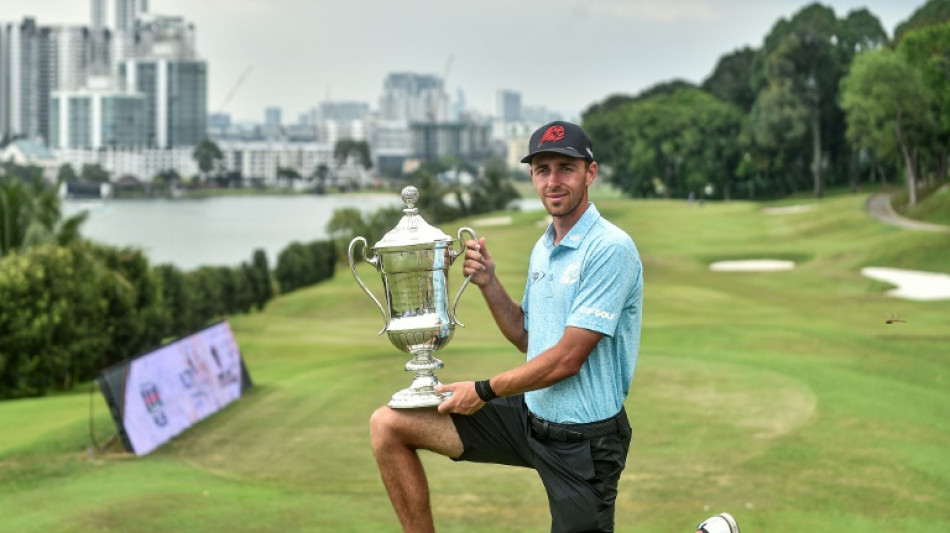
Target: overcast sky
{"type": "Point", "coordinates": [561, 54]}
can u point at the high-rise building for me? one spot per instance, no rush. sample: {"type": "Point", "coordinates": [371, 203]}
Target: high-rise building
{"type": "Point", "coordinates": [37, 60]}
{"type": "Point", "coordinates": [272, 117]}
{"type": "Point", "coordinates": [413, 97]}
{"type": "Point", "coordinates": [97, 118]}
{"type": "Point", "coordinates": [508, 105]}
{"type": "Point", "coordinates": [21, 64]}
{"type": "Point", "coordinates": [120, 17]}
{"type": "Point", "coordinates": [175, 92]}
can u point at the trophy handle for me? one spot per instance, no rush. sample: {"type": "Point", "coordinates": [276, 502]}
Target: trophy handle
{"type": "Point", "coordinates": [465, 283]}
{"type": "Point", "coordinates": [373, 261]}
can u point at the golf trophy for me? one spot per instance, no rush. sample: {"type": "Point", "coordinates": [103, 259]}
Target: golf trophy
{"type": "Point", "coordinates": [413, 260]}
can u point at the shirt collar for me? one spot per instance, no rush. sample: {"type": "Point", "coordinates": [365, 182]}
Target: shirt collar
{"type": "Point", "coordinates": [577, 233]}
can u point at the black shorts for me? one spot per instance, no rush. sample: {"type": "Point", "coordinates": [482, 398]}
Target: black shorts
{"type": "Point", "coordinates": [579, 475]}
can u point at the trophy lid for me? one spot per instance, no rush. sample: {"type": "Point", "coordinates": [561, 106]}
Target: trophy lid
{"type": "Point", "coordinates": [412, 230]}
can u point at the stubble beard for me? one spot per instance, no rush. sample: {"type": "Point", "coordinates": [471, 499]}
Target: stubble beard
{"type": "Point", "coordinates": [569, 205]}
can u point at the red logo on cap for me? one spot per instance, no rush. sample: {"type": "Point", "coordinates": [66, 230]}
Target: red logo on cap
{"type": "Point", "coordinates": [554, 133]}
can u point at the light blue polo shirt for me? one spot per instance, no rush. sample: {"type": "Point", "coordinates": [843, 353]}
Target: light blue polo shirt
{"type": "Point", "coordinates": [592, 279]}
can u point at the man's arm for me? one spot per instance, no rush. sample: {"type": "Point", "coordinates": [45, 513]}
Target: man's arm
{"type": "Point", "coordinates": [561, 361]}
{"type": "Point", "coordinates": [507, 313]}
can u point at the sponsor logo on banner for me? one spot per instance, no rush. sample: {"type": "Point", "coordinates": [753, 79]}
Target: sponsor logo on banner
{"type": "Point", "coordinates": [153, 403]}
{"type": "Point", "coordinates": [180, 384]}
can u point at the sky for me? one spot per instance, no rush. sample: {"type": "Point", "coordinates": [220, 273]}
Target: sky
{"type": "Point", "coordinates": [561, 54]}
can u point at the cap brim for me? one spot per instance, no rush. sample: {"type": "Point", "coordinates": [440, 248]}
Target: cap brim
{"type": "Point", "coordinates": [563, 151]}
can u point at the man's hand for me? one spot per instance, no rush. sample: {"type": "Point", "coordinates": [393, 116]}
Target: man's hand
{"type": "Point", "coordinates": [478, 262]}
{"type": "Point", "coordinates": [464, 400]}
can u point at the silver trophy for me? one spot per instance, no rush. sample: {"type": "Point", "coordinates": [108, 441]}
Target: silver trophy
{"type": "Point", "coordinates": [413, 259]}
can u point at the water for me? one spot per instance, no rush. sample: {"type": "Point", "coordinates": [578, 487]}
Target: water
{"type": "Point", "coordinates": [216, 231]}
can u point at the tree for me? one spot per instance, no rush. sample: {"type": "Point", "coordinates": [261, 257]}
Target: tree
{"type": "Point", "coordinates": [345, 148]}
{"type": "Point", "coordinates": [494, 191]}
{"type": "Point", "coordinates": [730, 80]}
{"type": "Point", "coordinates": [348, 223]}
{"type": "Point", "coordinates": [321, 174]}
{"type": "Point", "coordinates": [927, 50]}
{"type": "Point", "coordinates": [207, 154]}
{"type": "Point", "coordinates": [289, 174]}
{"type": "Point", "coordinates": [67, 311]}
{"type": "Point", "coordinates": [66, 174]}
{"type": "Point", "coordinates": [52, 319]}
{"type": "Point", "coordinates": [931, 13]}
{"type": "Point", "coordinates": [30, 214]}
{"type": "Point", "coordinates": [670, 144]}
{"type": "Point", "coordinates": [776, 132]}
{"type": "Point", "coordinates": [300, 265]}
{"type": "Point", "coordinates": [888, 109]}
{"type": "Point", "coordinates": [260, 277]}
{"type": "Point", "coordinates": [94, 172]}
{"type": "Point", "coordinates": [800, 59]}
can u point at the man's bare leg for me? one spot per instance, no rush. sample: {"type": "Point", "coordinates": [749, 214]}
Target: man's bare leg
{"type": "Point", "coordinates": [396, 434]}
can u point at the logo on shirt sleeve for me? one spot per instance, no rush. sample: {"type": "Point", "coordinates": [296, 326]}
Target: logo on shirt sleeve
{"type": "Point", "coordinates": [597, 312]}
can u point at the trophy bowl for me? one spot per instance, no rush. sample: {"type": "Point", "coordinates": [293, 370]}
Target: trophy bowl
{"type": "Point", "coordinates": [413, 261]}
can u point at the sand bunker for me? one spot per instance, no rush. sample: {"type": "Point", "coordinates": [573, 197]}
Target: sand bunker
{"type": "Point", "coordinates": [912, 284]}
{"type": "Point", "coordinates": [788, 210]}
{"type": "Point", "coordinates": [752, 265]}
{"type": "Point", "coordinates": [492, 221]}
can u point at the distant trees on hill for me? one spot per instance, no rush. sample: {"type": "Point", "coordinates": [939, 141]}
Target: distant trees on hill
{"type": "Point", "coordinates": [806, 110]}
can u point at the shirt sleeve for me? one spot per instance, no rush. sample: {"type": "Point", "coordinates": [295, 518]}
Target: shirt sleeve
{"type": "Point", "coordinates": [609, 276]}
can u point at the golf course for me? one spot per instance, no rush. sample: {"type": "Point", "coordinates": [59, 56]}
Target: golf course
{"type": "Point", "coordinates": [801, 400]}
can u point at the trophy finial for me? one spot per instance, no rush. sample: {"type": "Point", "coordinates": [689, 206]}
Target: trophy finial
{"type": "Point", "coordinates": [410, 195]}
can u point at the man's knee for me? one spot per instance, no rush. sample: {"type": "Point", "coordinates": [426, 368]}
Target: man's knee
{"type": "Point", "coordinates": [381, 426]}
{"type": "Point", "coordinates": [414, 429]}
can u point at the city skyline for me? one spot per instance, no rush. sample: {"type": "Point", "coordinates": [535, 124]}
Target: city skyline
{"type": "Point", "coordinates": [294, 54]}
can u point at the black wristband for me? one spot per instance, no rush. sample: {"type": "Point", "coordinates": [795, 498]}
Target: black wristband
{"type": "Point", "coordinates": [483, 389]}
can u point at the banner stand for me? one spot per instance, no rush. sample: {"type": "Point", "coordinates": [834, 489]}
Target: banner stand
{"type": "Point", "coordinates": [159, 394]}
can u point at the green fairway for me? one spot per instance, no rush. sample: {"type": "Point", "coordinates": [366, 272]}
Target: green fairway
{"type": "Point", "coordinates": [781, 397]}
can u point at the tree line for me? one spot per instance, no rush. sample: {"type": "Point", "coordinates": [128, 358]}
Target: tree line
{"type": "Point", "coordinates": [825, 101]}
{"type": "Point", "coordinates": [70, 307]}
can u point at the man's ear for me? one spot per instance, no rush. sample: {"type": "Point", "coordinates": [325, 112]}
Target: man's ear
{"type": "Point", "coordinates": [591, 173]}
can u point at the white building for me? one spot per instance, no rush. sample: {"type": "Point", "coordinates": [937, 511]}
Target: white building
{"type": "Point", "coordinates": [261, 160]}
{"type": "Point", "coordinates": [97, 117]}
{"type": "Point", "coordinates": [142, 163]}
{"type": "Point", "coordinates": [27, 152]}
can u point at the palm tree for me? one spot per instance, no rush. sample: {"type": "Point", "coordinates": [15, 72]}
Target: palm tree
{"type": "Point", "coordinates": [30, 213]}
{"type": "Point", "coordinates": [206, 154]}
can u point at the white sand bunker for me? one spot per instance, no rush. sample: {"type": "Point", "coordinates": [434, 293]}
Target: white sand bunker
{"type": "Point", "coordinates": [912, 284]}
{"type": "Point", "coordinates": [752, 265]}
{"type": "Point", "coordinates": [492, 221]}
{"type": "Point", "coordinates": [788, 210]}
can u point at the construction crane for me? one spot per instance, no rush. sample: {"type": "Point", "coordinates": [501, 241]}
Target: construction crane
{"type": "Point", "coordinates": [436, 104]}
{"type": "Point", "coordinates": [234, 88]}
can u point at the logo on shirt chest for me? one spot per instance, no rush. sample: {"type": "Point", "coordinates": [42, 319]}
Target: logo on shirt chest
{"type": "Point", "coordinates": [571, 274]}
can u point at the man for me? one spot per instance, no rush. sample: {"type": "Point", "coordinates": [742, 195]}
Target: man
{"type": "Point", "coordinates": [561, 412]}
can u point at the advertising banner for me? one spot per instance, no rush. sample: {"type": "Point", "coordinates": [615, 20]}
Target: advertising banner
{"type": "Point", "coordinates": [164, 392]}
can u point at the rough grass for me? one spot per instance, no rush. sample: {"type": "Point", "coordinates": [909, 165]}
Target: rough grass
{"type": "Point", "coordinates": [781, 397]}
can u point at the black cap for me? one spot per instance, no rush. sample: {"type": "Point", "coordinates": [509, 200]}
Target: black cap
{"type": "Point", "coordinates": [561, 138]}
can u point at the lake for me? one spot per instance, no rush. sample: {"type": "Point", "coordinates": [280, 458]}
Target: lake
{"type": "Point", "coordinates": [220, 230]}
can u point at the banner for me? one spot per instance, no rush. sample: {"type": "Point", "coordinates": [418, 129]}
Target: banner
{"type": "Point", "coordinates": [164, 392]}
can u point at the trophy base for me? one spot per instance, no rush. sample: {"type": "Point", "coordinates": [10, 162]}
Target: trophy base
{"type": "Point", "coordinates": [416, 399]}
{"type": "Point", "coordinates": [422, 392]}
